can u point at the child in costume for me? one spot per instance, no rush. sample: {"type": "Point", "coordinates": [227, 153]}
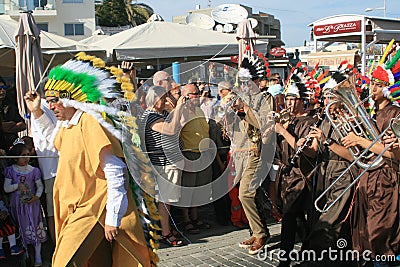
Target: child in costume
{"type": "Point", "coordinates": [24, 183]}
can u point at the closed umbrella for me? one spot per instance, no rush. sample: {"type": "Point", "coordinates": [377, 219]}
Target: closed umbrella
{"type": "Point", "coordinates": [28, 58]}
{"type": "Point", "coordinates": [246, 38]}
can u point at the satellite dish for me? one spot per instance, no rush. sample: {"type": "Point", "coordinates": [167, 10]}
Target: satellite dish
{"type": "Point", "coordinates": [219, 28]}
{"type": "Point", "coordinates": [200, 20]}
{"type": "Point", "coordinates": [253, 22]}
{"type": "Point", "coordinates": [228, 27]}
{"type": "Point", "coordinates": [98, 32]}
{"type": "Point", "coordinates": [155, 17]}
{"type": "Point", "coordinates": [229, 13]}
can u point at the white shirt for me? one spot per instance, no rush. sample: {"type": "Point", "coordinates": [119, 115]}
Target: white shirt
{"type": "Point", "coordinates": [41, 138]}
{"type": "Point", "coordinates": [113, 167]}
{"type": "Point", "coordinates": [208, 108]}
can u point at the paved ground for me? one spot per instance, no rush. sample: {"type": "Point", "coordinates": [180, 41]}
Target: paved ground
{"type": "Point", "coordinates": [215, 247]}
{"type": "Point", "coordinates": [218, 246]}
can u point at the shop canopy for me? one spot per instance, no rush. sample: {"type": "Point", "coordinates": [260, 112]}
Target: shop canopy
{"type": "Point", "coordinates": [355, 29]}
{"type": "Point", "coordinates": [161, 39]}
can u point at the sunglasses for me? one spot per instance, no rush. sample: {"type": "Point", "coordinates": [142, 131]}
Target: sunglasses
{"type": "Point", "coordinates": [3, 87]}
{"type": "Point", "coordinates": [194, 93]}
{"type": "Point", "coordinates": [167, 79]}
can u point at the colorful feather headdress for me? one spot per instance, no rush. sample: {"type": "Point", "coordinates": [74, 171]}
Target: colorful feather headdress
{"type": "Point", "coordinates": [86, 79]}
{"type": "Point", "coordinates": [388, 72]}
{"type": "Point", "coordinates": [314, 80]}
{"type": "Point", "coordinates": [295, 84]}
{"type": "Point", "coordinates": [87, 84]}
{"type": "Point", "coordinates": [344, 70]}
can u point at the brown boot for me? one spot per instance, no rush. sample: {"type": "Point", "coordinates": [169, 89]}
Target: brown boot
{"type": "Point", "coordinates": [247, 243]}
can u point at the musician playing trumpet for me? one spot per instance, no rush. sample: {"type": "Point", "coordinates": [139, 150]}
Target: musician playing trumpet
{"type": "Point", "coordinates": [243, 120]}
{"type": "Point", "coordinates": [295, 185]}
{"type": "Point", "coordinates": [375, 215]}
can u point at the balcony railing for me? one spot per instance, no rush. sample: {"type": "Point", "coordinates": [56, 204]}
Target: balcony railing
{"type": "Point", "coordinates": [14, 7]}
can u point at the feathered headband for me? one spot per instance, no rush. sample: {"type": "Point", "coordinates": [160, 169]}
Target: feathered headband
{"type": "Point", "coordinates": [295, 84]}
{"type": "Point", "coordinates": [388, 72]}
{"type": "Point", "coordinates": [85, 83]}
{"type": "Point", "coordinates": [86, 79]}
{"type": "Point", "coordinates": [344, 70]}
{"type": "Point", "coordinates": [257, 65]}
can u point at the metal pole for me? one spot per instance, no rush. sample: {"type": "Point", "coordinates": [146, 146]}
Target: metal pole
{"type": "Point", "coordinates": [384, 8]}
{"type": "Point", "coordinates": [363, 46]}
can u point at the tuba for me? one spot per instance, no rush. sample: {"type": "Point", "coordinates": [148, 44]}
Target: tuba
{"type": "Point", "coordinates": [352, 117]}
{"type": "Point", "coordinates": [394, 125]}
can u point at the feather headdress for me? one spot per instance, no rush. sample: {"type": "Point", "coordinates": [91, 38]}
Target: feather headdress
{"type": "Point", "coordinates": [257, 65]}
{"type": "Point", "coordinates": [388, 72]}
{"type": "Point", "coordinates": [295, 84]}
{"type": "Point", "coordinates": [87, 84]}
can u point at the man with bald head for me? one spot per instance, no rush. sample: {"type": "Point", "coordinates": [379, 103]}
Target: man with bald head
{"type": "Point", "coordinates": [162, 78]}
{"type": "Point", "coordinates": [198, 172]}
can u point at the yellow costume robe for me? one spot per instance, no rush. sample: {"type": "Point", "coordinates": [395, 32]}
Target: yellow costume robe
{"type": "Point", "coordinates": [80, 196]}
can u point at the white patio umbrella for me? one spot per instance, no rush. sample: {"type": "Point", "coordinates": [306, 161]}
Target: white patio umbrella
{"type": "Point", "coordinates": [51, 44]}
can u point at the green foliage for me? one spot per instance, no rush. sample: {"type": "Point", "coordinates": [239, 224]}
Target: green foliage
{"type": "Point", "coordinates": [139, 13]}
{"type": "Point", "coordinates": [114, 13]}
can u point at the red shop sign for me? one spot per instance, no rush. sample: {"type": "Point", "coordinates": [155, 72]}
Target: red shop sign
{"type": "Point", "coordinates": [337, 28]}
{"type": "Point", "coordinates": [277, 52]}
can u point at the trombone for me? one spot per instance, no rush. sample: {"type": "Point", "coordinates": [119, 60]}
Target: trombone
{"type": "Point", "coordinates": [394, 125]}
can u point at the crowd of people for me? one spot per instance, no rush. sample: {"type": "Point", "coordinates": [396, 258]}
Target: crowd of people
{"type": "Point", "coordinates": [280, 142]}
{"type": "Point", "coordinates": [312, 152]}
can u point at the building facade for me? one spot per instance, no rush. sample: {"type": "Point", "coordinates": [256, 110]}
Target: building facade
{"type": "Point", "coordinates": [74, 19]}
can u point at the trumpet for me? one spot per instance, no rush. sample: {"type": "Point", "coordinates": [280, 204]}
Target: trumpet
{"type": "Point", "coordinates": [394, 125]}
{"type": "Point", "coordinates": [221, 109]}
{"type": "Point", "coordinates": [283, 116]}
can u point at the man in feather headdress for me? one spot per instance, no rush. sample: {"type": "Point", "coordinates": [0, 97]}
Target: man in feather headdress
{"type": "Point", "coordinates": [247, 127]}
{"type": "Point", "coordinates": [92, 205]}
{"type": "Point", "coordinates": [293, 173]}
